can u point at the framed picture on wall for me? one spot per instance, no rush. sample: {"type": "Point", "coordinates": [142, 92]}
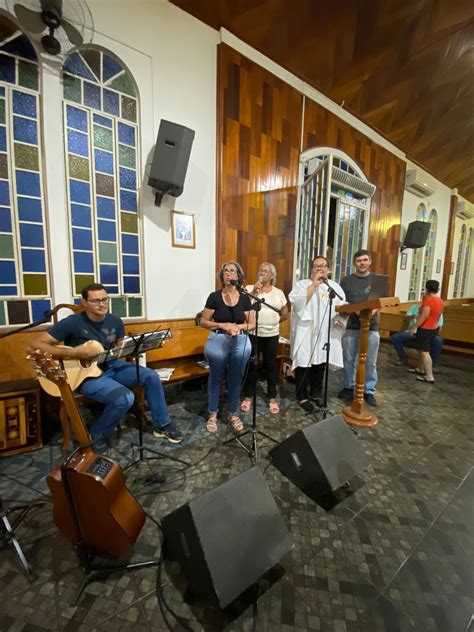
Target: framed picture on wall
{"type": "Point", "coordinates": [438, 266]}
{"type": "Point", "coordinates": [403, 261]}
{"type": "Point", "coordinates": [183, 234]}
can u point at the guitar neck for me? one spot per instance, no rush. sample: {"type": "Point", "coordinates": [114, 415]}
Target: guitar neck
{"type": "Point", "coordinates": [78, 426]}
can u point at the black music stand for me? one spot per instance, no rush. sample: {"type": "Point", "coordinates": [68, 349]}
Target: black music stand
{"type": "Point", "coordinates": [135, 346]}
{"type": "Point", "coordinates": [7, 527]}
{"type": "Point", "coordinates": [253, 451]}
{"type": "Point", "coordinates": [86, 559]}
{"type": "Point", "coordinates": [8, 535]}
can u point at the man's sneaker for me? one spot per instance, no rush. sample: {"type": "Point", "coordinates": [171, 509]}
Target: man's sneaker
{"type": "Point", "coordinates": [370, 399]}
{"type": "Point", "coordinates": [169, 432]}
{"type": "Point", "coordinates": [306, 406]}
{"type": "Point", "coordinates": [346, 393]}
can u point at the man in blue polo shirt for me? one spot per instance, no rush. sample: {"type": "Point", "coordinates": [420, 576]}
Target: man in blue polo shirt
{"type": "Point", "coordinates": [112, 388]}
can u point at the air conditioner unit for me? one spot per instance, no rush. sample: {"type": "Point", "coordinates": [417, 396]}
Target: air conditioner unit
{"type": "Point", "coordinates": [463, 212]}
{"type": "Point", "coordinates": [414, 184]}
{"type": "Point", "coordinates": [352, 183]}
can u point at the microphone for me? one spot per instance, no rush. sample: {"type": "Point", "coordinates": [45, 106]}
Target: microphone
{"type": "Point", "coordinates": [235, 283]}
{"type": "Point", "coordinates": [260, 278]}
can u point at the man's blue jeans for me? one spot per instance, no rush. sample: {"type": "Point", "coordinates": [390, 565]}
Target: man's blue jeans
{"type": "Point", "coordinates": [227, 356]}
{"type": "Point", "coordinates": [112, 388]}
{"type": "Point", "coordinates": [350, 348]}
{"type": "Point", "coordinates": [402, 337]}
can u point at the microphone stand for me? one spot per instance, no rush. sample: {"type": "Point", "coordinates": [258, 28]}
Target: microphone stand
{"type": "Point", "coordinates": [253, 450]}
{"type": "Point", "coordinates": [153, 478]}
{"type": "Point", "coordinates": [327, 347]}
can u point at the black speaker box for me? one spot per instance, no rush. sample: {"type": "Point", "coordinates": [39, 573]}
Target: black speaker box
{"type": "Point", "coordinates": [417, 234]}
{"type": "Point", "coordinates": [320, 458]}
{"type": "Point", "coordinates": [171, 158]}
{"type": "Point", "coordinates": [227, 538]}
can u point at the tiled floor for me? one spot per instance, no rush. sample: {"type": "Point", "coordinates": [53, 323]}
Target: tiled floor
{"type": "Point", "coordinates": [397, 553]}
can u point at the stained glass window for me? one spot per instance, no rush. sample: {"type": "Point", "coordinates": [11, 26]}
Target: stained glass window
{"type": "Point", "coordinates": [460, 261]}
{"type": "Point", "coordinates": [415, 287]}
{"type": "Point", "coordinates": [24, 275]}
{"type": "Point", "coordinates": [429, 248]}
{"type": "Point", "coordinates": [102, 162]}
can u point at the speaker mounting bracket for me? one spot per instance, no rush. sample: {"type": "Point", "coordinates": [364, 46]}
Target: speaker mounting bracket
{"type": "Point", "coordinates": [159, 196]}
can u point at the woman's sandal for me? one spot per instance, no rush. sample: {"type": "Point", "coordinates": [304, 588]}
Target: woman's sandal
{"type": "Point", "coordinates": [416, 370]}
{"type": "Point", "coordinates": [246, 405]}
{"type": "Point", "coordinates": [211, 424]}
{"type": "Point", "coordinates": [236, 423]}
{"type": "Point", "coordinates": [422, 378]}
{"type": "Point", "coordinates": [274, 408]}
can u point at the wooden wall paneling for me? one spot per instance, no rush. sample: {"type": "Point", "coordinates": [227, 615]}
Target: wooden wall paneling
{"type": "Point", "coordinates": [448, 254]}
{"type": "Point", "coordinates": [382, 168]}
{"type": "Point", "coordinates": [259, 127]}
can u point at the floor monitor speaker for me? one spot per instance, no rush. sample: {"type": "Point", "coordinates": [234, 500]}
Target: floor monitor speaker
{"type": "Point", "coordinates": [320, 458]}
{"type": "Point", "coordinates": [417, 234]}
{"type": "Point", "coordinates": [227, 538]}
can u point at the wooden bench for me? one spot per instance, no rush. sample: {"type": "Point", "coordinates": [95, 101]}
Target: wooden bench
{"type": "Point", "coordinates": [458, 327]}
{"type": "Point", "coordinates": [181, 352]}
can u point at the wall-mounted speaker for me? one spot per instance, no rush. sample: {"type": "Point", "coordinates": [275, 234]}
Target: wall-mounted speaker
{"type": "Point", "coordinates": [170, 160]}
{"type": "Point", "coordinates": [417, 234]}
{"type": "Point", "coordinates": [320, 458]}
{"type": "Point", "coordinates": [226, 539]}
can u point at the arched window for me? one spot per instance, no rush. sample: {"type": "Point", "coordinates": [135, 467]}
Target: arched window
{"type": "Point", "coordinates": [102, 165]}
{"type": "Point", "coordinates": [429, 248]}
{"type": "Point", "coordinates": [467, 264]}
{"type": "Point", "coordinates": [334, 210]}
{"type": "Point", "coordinates": [25, 292]}
{"type": "Point", "coordinates": [460, 262]}
{"type": "Point", "coordinates": [417, 260]}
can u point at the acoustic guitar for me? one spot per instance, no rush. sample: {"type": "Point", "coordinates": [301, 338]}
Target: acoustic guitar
{"type": "Point", "coordinates": [108, 516]}
{"type": "Point", "coordinates": [78, 370]}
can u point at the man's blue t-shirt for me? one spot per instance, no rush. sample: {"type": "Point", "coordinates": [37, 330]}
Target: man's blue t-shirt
{"type": "Point", "coordinates": [77, 329]}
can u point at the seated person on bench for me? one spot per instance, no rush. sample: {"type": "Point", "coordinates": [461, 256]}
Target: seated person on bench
{"type": "Point", "coordinates": [112, 388]}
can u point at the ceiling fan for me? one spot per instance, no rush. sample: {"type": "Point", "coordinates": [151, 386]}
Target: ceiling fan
{"type": "Point", "coordinates": [62, 24]}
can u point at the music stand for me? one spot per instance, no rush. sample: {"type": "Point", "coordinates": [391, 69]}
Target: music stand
{"type": "Point", "coordinates": [7, 531]}
{"type": "Point", "coordinates": [253, 451]}
{"type": "Point", "coordinates": [134, 347]}
{"type": "Point", "coordinates": [86, 559]}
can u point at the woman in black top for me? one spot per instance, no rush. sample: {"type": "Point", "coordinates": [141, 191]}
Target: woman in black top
{"type": "Point", "coordinates": [229, 317]}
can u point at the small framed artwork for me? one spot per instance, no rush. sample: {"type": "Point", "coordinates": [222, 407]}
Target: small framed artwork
{"type": "Point", "coordinates": [451, 271]}
{"type": "Point", "coordinates": [183, 234]}
{"type": "Point", "coordinates": [438, 266]}
{"type": "Point", "coordinates": [403, 261]}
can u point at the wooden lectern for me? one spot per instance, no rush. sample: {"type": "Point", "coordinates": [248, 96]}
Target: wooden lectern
{"type": "Point", "coordinates": [356, 414]}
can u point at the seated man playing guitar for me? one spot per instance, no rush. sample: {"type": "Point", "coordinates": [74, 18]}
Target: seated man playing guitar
{"type": "Point", "coordinates": [80, 332]}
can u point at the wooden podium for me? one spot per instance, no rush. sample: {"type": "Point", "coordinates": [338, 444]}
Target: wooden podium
{"type": "Point", "coordinates": [356, 414]}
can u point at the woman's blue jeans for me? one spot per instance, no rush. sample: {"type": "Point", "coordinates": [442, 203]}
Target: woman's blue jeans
{"type": "Point", "coordinates": [227, 357]}
{"type": "Point", "coordinates": [112, 388]}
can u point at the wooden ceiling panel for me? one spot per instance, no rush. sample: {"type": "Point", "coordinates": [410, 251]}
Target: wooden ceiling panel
{"type": "Point", "coordinates": [404, 68]}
